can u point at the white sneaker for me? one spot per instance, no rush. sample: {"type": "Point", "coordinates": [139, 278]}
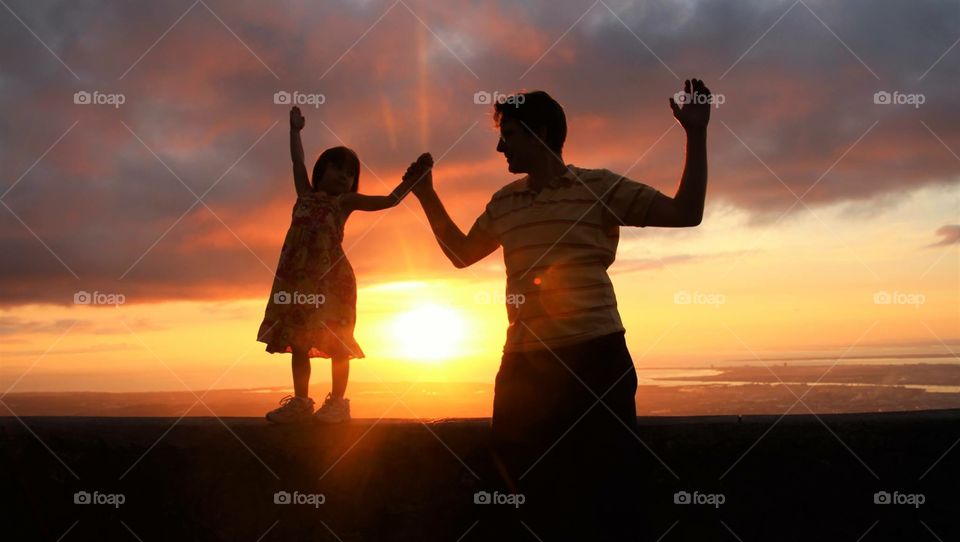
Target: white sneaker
{"type": "Point", "coordinates": [333, 410]}
{"type": "Point", "coordinates": [292, 409]}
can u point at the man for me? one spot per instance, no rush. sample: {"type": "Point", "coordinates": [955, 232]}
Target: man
{"type": "Point", "coordinates": [564, 408]}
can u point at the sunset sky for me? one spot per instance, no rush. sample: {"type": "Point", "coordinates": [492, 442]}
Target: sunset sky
{"type": "Point", "coordinates": [822, 204]}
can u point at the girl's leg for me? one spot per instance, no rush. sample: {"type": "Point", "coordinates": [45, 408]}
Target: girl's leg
{"type": "Point", "coordinates": [339, 373]}
{"type": "Point", "coordinates": [300, 364]}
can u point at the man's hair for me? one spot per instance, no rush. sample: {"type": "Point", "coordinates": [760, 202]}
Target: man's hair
{"type": "Point", "coordinates": [343, 158]}
{"type": "Point", "coordinates": [535, 110]}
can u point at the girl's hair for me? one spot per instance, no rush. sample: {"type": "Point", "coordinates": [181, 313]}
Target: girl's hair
{"type": "Point", "coordinates": [341, 157]}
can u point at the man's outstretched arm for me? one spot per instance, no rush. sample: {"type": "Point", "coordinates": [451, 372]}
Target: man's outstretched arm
{"type": "Point", "coordinates": [685, 209]}
{"type": "Point", "coordinates": [462, 250]}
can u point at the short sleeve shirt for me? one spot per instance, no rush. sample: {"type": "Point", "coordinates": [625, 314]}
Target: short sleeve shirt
{"type": "Point", "coordinates": [557, 246]}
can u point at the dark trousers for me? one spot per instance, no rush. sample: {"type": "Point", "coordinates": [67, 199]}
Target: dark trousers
{"type": "Point", "coordinates": [564, 423]}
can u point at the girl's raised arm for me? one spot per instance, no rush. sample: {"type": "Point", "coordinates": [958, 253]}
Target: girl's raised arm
{"type": "Point", "coordinates": [300, 179]}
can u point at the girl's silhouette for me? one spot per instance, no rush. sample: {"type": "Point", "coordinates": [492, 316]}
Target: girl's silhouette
{"type": "Point", "coordinates": [311, 311]}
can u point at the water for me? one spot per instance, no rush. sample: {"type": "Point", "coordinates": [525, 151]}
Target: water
{"type": "Point", "coordinates": [665, 378]}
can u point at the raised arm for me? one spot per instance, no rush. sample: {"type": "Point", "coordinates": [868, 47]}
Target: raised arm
{"type": "Point", "coordinates": [462, 250]}
{"type": "Point", "coordinates": [685, 209]}
{"type": "Point", "coordinates": [300, 179]}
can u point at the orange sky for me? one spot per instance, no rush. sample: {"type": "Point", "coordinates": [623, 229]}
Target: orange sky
{"type": "Point", "coordinates": [98, 198]}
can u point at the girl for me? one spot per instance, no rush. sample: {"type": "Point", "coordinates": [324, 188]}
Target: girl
{"type": "Point", "coordinates": [312, 307]}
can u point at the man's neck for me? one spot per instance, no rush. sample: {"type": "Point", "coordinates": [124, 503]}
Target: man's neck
{"type": "Point", "coordinates": [550, 169]}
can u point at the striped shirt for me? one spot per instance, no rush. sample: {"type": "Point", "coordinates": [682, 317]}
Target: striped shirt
{"type": "Point", "coordinates": [557, 246]}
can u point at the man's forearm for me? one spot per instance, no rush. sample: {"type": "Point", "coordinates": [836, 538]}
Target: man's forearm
{"type": "Point", "coordinates": [449, 236]}
{"type": "Point", "coordinates": [693, 183]}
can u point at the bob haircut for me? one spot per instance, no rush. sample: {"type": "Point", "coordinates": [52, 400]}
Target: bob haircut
{"type": "Point", "coordinates": [341, 157]}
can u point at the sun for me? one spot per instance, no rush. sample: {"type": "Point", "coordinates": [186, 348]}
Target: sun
{"type": "Point", "coordinates": [428, 333]}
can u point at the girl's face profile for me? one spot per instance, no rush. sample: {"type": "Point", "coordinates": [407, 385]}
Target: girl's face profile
{"type": "Point", "coordinates": [337, 179]}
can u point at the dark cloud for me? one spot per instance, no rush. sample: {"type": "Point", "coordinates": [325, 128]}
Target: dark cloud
{"type": "Point", "coordinates": [799, 102]}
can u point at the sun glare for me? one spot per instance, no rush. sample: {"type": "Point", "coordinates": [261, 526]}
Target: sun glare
{"type": "Point", "coordinates": [428, 333]}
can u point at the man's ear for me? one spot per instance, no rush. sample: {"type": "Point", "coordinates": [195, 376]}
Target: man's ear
{"type": "Point", "coordinates": [542, 134]}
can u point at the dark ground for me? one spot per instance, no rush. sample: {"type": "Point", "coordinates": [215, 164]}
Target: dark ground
{"type": "Point", "coordinates": [203, 479]}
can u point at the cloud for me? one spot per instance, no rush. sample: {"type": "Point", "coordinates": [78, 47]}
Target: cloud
{"type": "Point", "coordinates": [116, 195]}
{"type": "Point", "coordinates": [949, 235]}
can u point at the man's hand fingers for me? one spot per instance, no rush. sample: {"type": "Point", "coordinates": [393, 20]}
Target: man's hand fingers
{"type": "Point", "coordinates": [425, 160]}
{"type": "Point", "coordinates": [674, 107]}
{"type": "Point", "coordinates": [700, 87]}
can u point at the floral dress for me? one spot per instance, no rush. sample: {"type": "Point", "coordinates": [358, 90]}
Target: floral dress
{"type": "Point", "coordinates": [313, 302]}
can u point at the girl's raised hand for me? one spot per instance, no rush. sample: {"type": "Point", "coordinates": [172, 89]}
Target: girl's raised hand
{"type": "Point", "coordinates": [296, 119]}
{"type": "Point", "coordinates": [419, 175]}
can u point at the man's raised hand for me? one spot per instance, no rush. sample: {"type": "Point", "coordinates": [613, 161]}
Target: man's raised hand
{"type": "Point", "coordinates": [693, 113]}
{"type": "Point", "coordinates": [419, 175]}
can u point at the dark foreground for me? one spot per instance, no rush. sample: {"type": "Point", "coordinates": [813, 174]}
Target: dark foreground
{"type": "Point", "coordinates": [758, 479]}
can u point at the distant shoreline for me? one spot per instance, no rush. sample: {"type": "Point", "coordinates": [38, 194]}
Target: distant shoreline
{"type": "Point", "coordinates": [741, 390]}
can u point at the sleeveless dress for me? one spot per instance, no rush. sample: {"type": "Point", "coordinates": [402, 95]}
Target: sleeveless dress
{"type": "Point", "coordinates": [313, 302]}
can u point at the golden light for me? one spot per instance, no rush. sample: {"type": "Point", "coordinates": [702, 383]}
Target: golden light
{"type": "Point", "coordinates": [428, 333]}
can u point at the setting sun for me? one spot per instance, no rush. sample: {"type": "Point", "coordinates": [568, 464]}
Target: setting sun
{"type": "Point", "coordinates": [429, 332]}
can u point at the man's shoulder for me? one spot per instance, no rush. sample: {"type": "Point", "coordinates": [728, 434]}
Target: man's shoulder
{"type": "Point", "coordinates": [510, 188]}
{"type": "Point", "coordinates": [593, 174]}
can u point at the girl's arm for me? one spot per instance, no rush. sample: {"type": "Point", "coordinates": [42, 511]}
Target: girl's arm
{"type": "Point", "coordinates": [300, 179]}
{"type": "Point", "coordinates": [351, 201]}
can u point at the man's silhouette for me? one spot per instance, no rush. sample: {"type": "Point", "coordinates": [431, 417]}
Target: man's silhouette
{"type": "Point", "coordinates": [564, 406]}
